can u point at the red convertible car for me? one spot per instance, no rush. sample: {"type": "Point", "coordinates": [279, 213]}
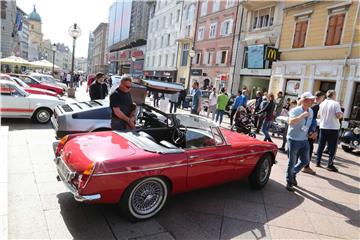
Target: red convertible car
{"type": "Point", "coordinates": [138, 170]}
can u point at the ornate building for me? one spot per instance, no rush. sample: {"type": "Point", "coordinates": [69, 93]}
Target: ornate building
{"type": "Point", "coordinates": [35, 35]}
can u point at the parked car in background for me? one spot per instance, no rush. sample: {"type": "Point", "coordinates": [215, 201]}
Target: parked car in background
{"type": "Point", "coordinates": [32, 90]}
{"type": "Point", "coordinates": [48, 79]}
{"type": "Point", "coordinates": [15, 102]}
{"type": "Point", "coordinates": [92, 116]}
{"type": "Point", "coordinates": [33, 82]}
{"type": "Point", "coordinates": [138, 170]}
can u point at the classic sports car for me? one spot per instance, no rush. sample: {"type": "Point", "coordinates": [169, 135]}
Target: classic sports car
{"type": "Point", "coordinates": [48, 79]}
{"type": "Point", "coordinates": [138, 170]}
{"type": "Point", "coordinates": [95, 116]}
{"type": "Point", "coordinates": [16, 103]}
{"type": "Point", "coordinates": [32, 82]}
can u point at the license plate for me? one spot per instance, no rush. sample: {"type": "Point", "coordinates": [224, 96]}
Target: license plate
{"type": "Point", "coordinates": [64, 171]}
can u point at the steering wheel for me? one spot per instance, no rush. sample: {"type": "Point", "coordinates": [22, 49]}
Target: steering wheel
{"type": "Point", "coordinates": [178, 136]}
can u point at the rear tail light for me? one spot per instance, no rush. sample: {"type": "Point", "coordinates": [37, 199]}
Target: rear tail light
{"type": "Point", "coordinates": [61, 145]}
{"type": "Point", "coordinates": [84, 177]}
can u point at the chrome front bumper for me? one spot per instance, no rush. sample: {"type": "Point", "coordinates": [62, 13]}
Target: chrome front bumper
{"type": "Point", "coordinates": [351, 145]}
{"type": "Point", "coordinates": [66, 178]}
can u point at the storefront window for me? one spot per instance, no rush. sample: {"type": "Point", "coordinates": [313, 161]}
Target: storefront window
{"type": "Point", "coordinates": [355, 107]}
{"type": "Point", "coordinates": [325, 86]}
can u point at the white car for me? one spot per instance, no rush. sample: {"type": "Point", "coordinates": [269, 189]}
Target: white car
{"type": "Point", "coordinates": [15, 102]}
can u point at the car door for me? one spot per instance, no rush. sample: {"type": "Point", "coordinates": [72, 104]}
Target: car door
{"type": "Point", "coordinates": [209, 161]}
{"type": "Point", "coordinates": [13, 102]}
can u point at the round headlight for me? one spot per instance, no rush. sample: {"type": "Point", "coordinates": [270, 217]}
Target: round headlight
{"type": "Point", "coordinates": [356, 130]}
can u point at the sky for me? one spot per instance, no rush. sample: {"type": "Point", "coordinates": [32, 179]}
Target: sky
{"type": "Point", "coordinates": [58, 15]}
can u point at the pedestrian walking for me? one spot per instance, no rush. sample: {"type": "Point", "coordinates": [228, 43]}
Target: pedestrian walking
{"type": "Point", "coordinates": [98, 89]}
{"type": "Point", "coordinates": [182, 97]}
{"type": "Point", "coordinates": [258, 100]}
{"type": "Point", "coordinates": [329, 114]}
{"type": "Point", "coordinates": [279, 104]}
{"type": "Point", "coordinates": [174, 98]}
{"type": "Point", "coordinates": [122, 106]}
{"type": "Point", "coordinates": [156, 99]}
{"type": "Point", "coordinates": [196, 99]}
{"type": "Point", "coordinates": [237, 103]}
{"type": "Point", "coordinates": [319, 99]}
{"type": "Point", "coordinates": [268, 111]}
{"type": "Point", "coordinates": [300, 121]}
{"type": "Point", "coordinates": [222, 100]}
{"type": "Point", "coordinates": [68, 79]}
{"type": "Point", "coordinates": [212, 104]}
{"type": "Point", "coordinates": [292, 104]}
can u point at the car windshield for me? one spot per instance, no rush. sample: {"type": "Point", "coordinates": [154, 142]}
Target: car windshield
{"type": "Point", "coordinates": [21, 90]}
{"type": "Point", "coordinates": [193, 121]}
{"type": "Point", "coordinates": [20, 82]}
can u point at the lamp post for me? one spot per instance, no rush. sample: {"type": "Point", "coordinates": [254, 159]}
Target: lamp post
{"type": "Point", "coordinates": [191, 55]}
{"type": "Point", "coordinates": [74, 32]}
{"type": "Point", "coordinates": [53, 48]}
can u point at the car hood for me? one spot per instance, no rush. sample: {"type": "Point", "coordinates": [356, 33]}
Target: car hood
{"type": "Point", "coordinates": [39, 90]}
{"type": "Point", "coordinates": [46, 98]}
{"type": "Point", "coordinates": [50, 85]}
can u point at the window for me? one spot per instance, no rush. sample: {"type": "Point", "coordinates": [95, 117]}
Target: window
{"type": "Point", "coordinates": [204, 5]}
{"type": "Point", "coordinates": [212, 32]}
{"type": "Point", "coordinates": [155, 44]}
{"type": "Point", "coordinates": [300, 34]}
{"type": "Point", "coordinates": [187, 30]}
{"type": "Point", "coordinates": [153, 61]}
{"type": "Point", "coordinates": [221, 57]}
{"type": "Point", "coordinates": [168, 40]}
{"type": "Point", "coordinates": [334, 31]}
{"type": "Point", "coordinates": [149, 45]}
{"type": "Point", "coordinates": [3, 9]}
{"type": "Point", "coordinates": [162, 41]}
{"type": "Point", "coordinates": [170, 19]}
{"type": "Point", "coordinates": [178, 15]}
{"type": "Point", "coordinates": [226, 27]}
{"type": "Point", "coordinates": [201, 33]}
{"type": "Point", "coordinates": [185, 55]}
{"type": "Point", "coordinates": [207, 58]}
{"type": "Point", "coordinates": [216, 5]}
{"type": "Point", "coordinates": [263, 18]}
{"type": "Point", "coordinates": [157, 24]}
{"type": "Point", "coordinates": [164, 21]}
{"type": "Point", "coordinates": [197, 58]}
{"type": "Point", "coordinates": [190, 13]}
{"type": "Point", "coordinates": [166, 60]}
{"type": "Point", "coordinates": [147, 61]}
{"type": "Point", "coordinates": [159, 62]}
{"type": "Point", "coordinates": [230, 3]}
{"type": "Point", "coordinates": [173, 59]}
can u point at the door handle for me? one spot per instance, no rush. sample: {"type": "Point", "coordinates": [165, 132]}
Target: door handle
{"type": "Point", "coordinates": [193, 157]}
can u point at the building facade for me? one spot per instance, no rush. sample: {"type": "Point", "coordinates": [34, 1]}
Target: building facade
{"type": "Point", "coordinates": [35, 35]}
{"type": "Point", "coordinates": [259, 27]}
{"type": "Point", "coordinates": [320, 50]}
{"type": "Point", "coordinates": [162, 47]}
{"type": "Point", "coordinates": [8, 17]}
{"type": "Point", "coordinates": [213, 43]}
{"type": "Point", "coordinates": [186, 41]}
{"type": "Point", "coordinates": [22, 34]}
{"type": "Point", "coordinates": [128, 26]}
{"type": "Point", "coordinates": [81, 64]}
{"type": "Point", "coordinates": [99, 63]}
{"type": "Point", "coordinates": [63, 57]}
{"type": "Point", "coordinates": [90, 53]}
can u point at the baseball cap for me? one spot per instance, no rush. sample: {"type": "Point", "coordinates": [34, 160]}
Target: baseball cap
{"type": "Point", "coordinates": [307, 95]}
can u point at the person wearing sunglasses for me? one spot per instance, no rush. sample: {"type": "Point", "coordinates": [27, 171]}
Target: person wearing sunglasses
{"type": "Point", "coordinates": [121, 106]}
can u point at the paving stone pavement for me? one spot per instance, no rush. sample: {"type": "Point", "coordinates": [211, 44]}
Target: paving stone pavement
{"type": "Point", "coordinates": [325, 206]}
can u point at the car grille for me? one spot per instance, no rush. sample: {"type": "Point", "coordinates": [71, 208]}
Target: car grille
{"type": "Point", "coordinates": [67, 108]}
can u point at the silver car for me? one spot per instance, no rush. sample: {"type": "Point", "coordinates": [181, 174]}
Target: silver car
{"type": "Point", "coordinates": [95, 115]}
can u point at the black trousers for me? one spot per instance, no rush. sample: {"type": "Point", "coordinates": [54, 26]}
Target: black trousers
{"type": "Point", "coordinates": [173, 106]}
{"type": "Point", "coordinates": [156, 102]}
{"type": "Point", "coordinates": [329, 136]}
{"type": "Point", "coordinates": [232, 114]}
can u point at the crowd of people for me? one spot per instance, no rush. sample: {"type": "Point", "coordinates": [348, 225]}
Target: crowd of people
{"type": "Point", "coordinates": [301, 129]}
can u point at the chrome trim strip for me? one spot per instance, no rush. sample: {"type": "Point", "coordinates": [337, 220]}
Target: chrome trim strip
{"type": "Point", "coordinates": [176, 165]}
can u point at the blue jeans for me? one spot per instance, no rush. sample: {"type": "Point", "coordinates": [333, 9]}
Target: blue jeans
{"type": "Point", "coordinates": [329, 136]}
{"type": "Point", "coordinates": [219, 113]}
{"type": "Point", "coordinates": [298, 150]}
{"type": "Point", "coordinates": [265, 129]}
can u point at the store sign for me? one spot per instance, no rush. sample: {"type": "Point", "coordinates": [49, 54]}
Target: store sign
{"type": "Point", "coordinates": [272, 54]}
{"type": "Point", "coordinates": [224, 77]}
{"type": "Point", "coordinates": [137, 53]}
{"type": "Point", "coordinates": [292, 87]}
{"type": "Point", "coordinates": [196, 72]}
{"type": "Point", "coordinates": [256, 56]}
{"type": "Point", "coordinates": [113, 56]}
{"type": "Point", "coordinates": [124, 55]}
{"type": "Point", "coordinates": [138, 69]}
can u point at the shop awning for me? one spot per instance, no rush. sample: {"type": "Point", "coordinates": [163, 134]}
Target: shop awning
{"type": "Point", "coordinates": [13, 60]}
{"type": "Point", "coordinates": [43, 64]}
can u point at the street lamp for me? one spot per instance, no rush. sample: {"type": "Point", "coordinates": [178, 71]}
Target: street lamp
{"type": "Point", "coordinates": [191, 55]}
{"type": "Point", "coordinates": [74, 32]}
{"type": "Point", "coordinates": [53, 48]}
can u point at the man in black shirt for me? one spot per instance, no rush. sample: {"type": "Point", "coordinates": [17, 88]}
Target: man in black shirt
{"type": "Point", "coordinates": [121, 106]}
{"type": "Point", "coordinates": [98, 89]}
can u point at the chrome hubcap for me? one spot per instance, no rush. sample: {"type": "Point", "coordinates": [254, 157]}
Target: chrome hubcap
{"type": "Point", "coordinates": [43, 116]}
{"type": "Point", "coordinates": [147, 197]}
{"type": "Point", "coordinates": [264, 171]}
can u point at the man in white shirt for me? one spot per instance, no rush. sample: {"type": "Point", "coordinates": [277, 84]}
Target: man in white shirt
{"type": "Point", "coordinates": [329, 113]}
{"type": "Point", "coordinates": [212, 104]}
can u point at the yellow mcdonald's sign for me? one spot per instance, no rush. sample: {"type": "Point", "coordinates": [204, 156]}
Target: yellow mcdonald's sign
{"type": "Point", "coordinates": [271, 54]}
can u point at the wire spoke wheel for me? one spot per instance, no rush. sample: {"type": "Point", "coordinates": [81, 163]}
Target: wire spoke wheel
{"type": "Point", "coordinates": [264, 170]}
